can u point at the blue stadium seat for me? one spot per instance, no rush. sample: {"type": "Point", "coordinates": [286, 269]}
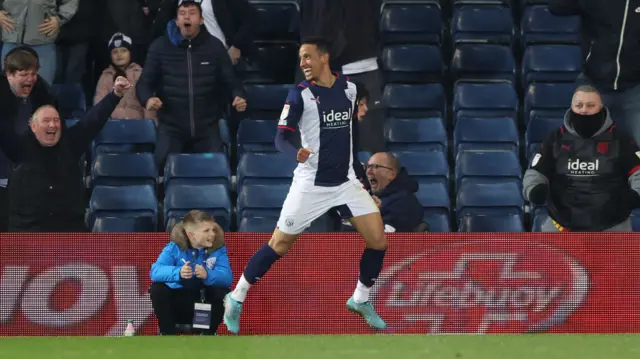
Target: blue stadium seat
{"type": "Point", "coordinates": [538, 130]}
{"type": "Point", "coordinates": [275, 20]}
{"type": "Point", "coordinates": [197, 168]}
{"type": "Point", "coordinates": [123, 202]}
{"type": "Point", "coordinates": [483, 24]}
{"type": "Point", "coordinates": [265, 167]}
{"type": "Point", "coordinates": [412, 63]}
{"type": "Point", "coordinates": [483, 62]}
{"type": "Point", "coordinates": [435, 200]}
{"type": "Point", "coordinates": [257, 224]}
{"type": "Point", "coordinates": [123, 225]}
{"type": "Point", "coordinates": [411, 23]}
{"type": "Point", "coordinates": [499, 166]}
{"type": "Point", "coordinates": [486, 134]}
{"type": "Point", "coordinates": [257, 136]}
{"type": "Point", "coordinates": [261, 201]}
{"type": "Point", "coordinates": [411, 101]}
{"type": "Point", "coordinates": [72, 102]}
{"type": "Point", "coordinates": [273, 63]}
{"type": "Point", "coordinates": [364, 156]}
{"type": "Point", "coordinates": [506, 3]}
{"type": "Point", "coordinates": [510, 222]}
{"type": "Point", "coordinates": [123, 169]}
{"type": "Point", "coordinates": [416, 134]}
{"type": "Point", "coordinates": [484, 100]}
{"type": "Point", "coordinates": [266, 101]}
{"type": "Point", "coordinates": [429, 166]}
{"type": "Point", "coordinates": [539, 26]}
{"type": "Point", "coordinates": [551, 63]}
{"type": "Point", "coordinates": [489, 198]}
{"type": "Point", "coordinates": [126, 136]}
{"type": "Point", "coordinates": [179, 199]}
{"type": "Point", "coordinates": [547, 100]}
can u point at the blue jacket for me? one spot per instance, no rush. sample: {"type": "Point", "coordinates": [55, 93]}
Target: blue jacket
{"type": "Point", "coordinates": [166, 269]}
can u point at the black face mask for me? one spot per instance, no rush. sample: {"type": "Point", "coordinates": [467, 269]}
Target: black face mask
{"type": "Point", "coordinates": [587, 125]}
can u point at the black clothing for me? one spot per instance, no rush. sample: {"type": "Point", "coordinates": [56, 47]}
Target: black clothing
{"type": "Point", "coordinates": [610, 29]}
{"type": "Point", "coordinates": [400, 208]}
{"type": "Point", "coordinates": [587, 125]}
{"type": "Point", "coordinates": [175, 306]}
{"type": "Point", "coordinates": [46, 188]}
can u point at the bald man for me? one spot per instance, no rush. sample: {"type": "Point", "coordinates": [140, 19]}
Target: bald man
{"type": "Point", "coordinates": [394, 193]}
{"type": "Point", "coordinates": [46, 187]}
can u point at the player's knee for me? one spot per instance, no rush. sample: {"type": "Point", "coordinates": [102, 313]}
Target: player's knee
{"type": "Point", "coordinates": [281, 242]}
{"type": "Point", "coordinates": [377, 241]}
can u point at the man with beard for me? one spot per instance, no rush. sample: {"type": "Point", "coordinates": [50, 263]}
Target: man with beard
{"type": "Point", "coordinates": [587, 171]}
{"type": "Point", "coordinates": [22, 91]}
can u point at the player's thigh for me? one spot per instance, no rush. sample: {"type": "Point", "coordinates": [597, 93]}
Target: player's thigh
{"type": "Point", "coordinates": [302, 208]}
{"type": "Point", "coordinates": [358, 207]}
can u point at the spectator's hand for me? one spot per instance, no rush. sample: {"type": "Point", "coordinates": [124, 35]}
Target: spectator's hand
{"type": "Point", "coordinates": [201, 273]}
{"type": "Point", "coordinates": [6, 22]}
{"type": "Point", "coordinates": [50, 26]}
{"type": "Point", "coordinates": [186, 272]}
{"type": "Point", "coordinates": [303, 154]}
{"type": "Point", "coordinates": [377, 201]}
{"type": "Point", "coordinates": [234, 54]}
{"type": "Point", "coordinates": [240, 104]}
{"type": "Point", "coordinates": [154, 104]}
{"type": "Point", "coordinates": [121, 86]}
{"type": "Point", "coordinates": [145, 10]}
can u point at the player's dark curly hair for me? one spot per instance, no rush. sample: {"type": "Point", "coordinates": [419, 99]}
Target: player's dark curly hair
{"type": "Point", "coordinates": [323, 45]}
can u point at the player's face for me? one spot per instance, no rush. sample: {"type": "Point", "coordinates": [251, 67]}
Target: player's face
{"type": "Point", "coordinates": [312, 63]}
{"type": "Point", "coordinates": [586, 103]}
{"type": "Point", "coordinates": [203, 235]}
{"type": "Point", "coordinates": [189, 21]}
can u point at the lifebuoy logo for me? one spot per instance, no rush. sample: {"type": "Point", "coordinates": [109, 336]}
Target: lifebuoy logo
{"type": "Point", "coordinates": [482, 287]}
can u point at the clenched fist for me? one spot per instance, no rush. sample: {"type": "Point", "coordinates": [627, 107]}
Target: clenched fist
{"type": "Point", "coordinates": [186, 272]}
{"type": "Point", "coordinates": [303, 154]}
{"type": "Point", "coordinates": [153, 104]}
{"type": "Point", "coordinates": [240, 104]}
{"type": "Point", "coordinates": [121, 86]}
{"type": "Point", "coordinates": [201, 272]}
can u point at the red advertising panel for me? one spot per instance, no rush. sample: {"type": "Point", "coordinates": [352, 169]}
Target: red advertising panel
{"type": "Point", "coordinates": [91, 284]}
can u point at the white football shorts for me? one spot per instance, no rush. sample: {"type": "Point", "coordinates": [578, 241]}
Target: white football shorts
{"type": "Point", "coordinates": [301, 208]}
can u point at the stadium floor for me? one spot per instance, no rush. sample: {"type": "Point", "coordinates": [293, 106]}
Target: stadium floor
{"type": "Point", "coordinates": [325, 347]}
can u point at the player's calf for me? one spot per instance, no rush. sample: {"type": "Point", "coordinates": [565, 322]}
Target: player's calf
{"type": "Point", "coordinates": [256, 268]}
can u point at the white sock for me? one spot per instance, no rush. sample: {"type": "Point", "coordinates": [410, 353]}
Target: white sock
{"type": "Point", "coordinates": [240, 293]}
{"type": "Point", "coordinates": [361, 294]}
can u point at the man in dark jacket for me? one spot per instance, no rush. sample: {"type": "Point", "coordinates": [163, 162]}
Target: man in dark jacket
{"type": "Point", "coordinates": [394, 193]}
{"type": "Point", "coordinates": [351, 26]}
{"type": "Point", "coordinates": [612, 53]}
{"type": "Point", "coordinates": [22, 90]}
{"type": "Point", "coordinates": [187, 74]}
{"type": "Point", "coordinates": [46, 188]}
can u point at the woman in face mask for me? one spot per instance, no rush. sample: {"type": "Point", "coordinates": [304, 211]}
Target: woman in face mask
{"type": "Point", "coordinates": [586, 172]}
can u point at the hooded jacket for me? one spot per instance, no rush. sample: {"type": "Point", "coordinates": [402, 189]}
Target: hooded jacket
{"type": "Point", "coordinates": [215, 260]}
{"type": "Point", "coordinates": [130, 107]}
{"type": "Point", "coordinates": [610, 30]}
{"type": "Point", "coordinates": [400, 208]}
{"type": "Point", "coordinates": [589, 179]}
{"type": "Point", "coordinates": [193, 79]}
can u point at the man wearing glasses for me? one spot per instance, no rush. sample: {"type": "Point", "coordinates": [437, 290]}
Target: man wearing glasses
{"type": "Point", "coordinates": [394, 192]}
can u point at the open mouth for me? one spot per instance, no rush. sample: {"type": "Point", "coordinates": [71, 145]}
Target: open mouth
{"type": "Point", "coordinates": [306, 72]}
{"type": "Point", "coordinates": [187, 26]}
{"type": "Point", "coordinates": [373, 182]}
{"type": "Point", "coordinates": [51, 133]}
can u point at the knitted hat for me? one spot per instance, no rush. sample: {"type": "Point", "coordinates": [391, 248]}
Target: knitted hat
{"type": "Point", "coordinates": [119, 40]}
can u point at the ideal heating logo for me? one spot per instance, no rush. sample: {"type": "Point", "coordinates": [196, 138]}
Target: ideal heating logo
{"type": "Point", "coordinates": [583, 168]}
{"type": "Point", "coordinates": [337, 119]}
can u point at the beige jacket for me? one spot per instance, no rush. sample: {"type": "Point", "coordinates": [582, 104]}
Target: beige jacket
{"type": "Point", "coordinates": [129, 107]}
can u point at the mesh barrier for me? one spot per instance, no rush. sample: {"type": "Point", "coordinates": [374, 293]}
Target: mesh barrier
{"type": "Point", "coordinates": [91, 284]}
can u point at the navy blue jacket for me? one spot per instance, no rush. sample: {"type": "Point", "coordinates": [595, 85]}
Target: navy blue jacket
{"type": "Point", "coordinates": [191, 77]}
{"type": "Point", "coordinates": [400, 208]}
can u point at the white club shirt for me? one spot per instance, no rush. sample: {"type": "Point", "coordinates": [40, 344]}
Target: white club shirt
{"type": "Point", "coordinates": [211, 23]}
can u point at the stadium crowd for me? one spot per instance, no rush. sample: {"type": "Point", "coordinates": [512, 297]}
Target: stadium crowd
{"type": "Point", "coordinates": [191, 67]}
